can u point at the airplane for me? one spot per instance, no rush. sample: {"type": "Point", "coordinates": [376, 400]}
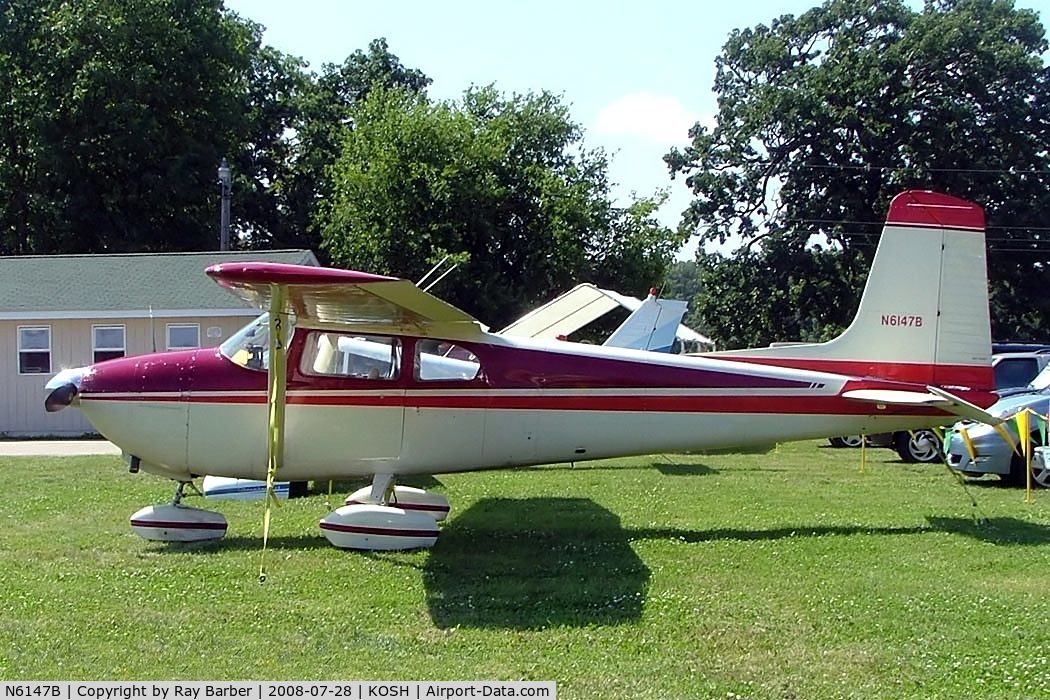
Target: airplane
{"type": "Point", "coordinates": [350, 374]}
{"type": "Point", "coordinates": [585, 303]}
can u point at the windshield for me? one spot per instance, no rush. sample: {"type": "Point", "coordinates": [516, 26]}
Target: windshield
{"type": "Point", "coordinates": [250, 346]}
{"type": "Point", "coordinates": [1042, 380]}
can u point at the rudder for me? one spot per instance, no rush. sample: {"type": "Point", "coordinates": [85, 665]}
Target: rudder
{"type": "Point", "coordinates": [923, 316]}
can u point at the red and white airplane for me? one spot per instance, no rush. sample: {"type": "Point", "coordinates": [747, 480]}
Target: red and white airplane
{"type": "Point", "coordinates": [350, 374]}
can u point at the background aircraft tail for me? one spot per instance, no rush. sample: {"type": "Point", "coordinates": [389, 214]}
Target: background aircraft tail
{"type": "Point", "coordinates": [923, 316]}
{"type": "Point", "coordinates": [652, 326]}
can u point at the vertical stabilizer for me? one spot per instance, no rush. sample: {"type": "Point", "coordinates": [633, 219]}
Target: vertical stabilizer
{"type": "Point", "coordinates": [652, 326]}
{"type": "Point", "coordinates": [923, 316]}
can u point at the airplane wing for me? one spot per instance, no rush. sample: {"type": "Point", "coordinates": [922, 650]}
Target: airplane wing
{"type": "Point", "coordinates": [936, 398]}
{"type": "Point", "coordinates": [347, 297]}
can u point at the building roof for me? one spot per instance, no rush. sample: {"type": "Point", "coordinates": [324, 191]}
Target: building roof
{"type": "Point", "coordinates": [133, 285]}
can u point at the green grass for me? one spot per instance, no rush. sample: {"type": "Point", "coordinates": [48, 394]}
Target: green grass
{"type": "Point", "coordinates": [792, 574]}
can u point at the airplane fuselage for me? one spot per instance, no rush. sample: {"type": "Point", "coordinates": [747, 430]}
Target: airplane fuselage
{"type": "Point", "coordinates": [419, 411]}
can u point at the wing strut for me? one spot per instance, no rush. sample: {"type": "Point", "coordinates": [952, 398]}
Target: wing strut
{"type": "Point", "coordinates": [277, 383]}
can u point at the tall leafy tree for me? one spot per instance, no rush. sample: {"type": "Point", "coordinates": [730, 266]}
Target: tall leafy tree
{"type": "Point", "coordinates": [321, 118]}
{"type": "Point", "coordinates": [116, 115]}
{"type": "Point", "coordinates": [824, 117]}
{"type": "Point", "coordinates": [502, 184]}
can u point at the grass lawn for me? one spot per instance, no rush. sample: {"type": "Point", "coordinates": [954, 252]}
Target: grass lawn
{"type": "Point", "coordinates": [792, 574]}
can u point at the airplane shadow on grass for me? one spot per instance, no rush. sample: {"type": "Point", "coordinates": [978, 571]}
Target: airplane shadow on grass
{"type": "Point", "coordinates": [691, 469]}
{"type": "Point", "coordinates": [534, 563]}
{"type": "Point", "coordinates": [665, 468]}
{"type": "Point", "coordinates": [1004, 531]}
{"type": "Point", "coordinates": [244, 542]}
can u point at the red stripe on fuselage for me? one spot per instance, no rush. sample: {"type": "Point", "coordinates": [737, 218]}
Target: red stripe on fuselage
{"type": "Point", "coordinates": [768, 404]}
{"type": "Point", "coordinates": [980, 378]}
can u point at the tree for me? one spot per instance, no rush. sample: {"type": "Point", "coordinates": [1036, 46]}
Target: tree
{"type": "Point", "coordinates": [684, 281]}
{"type": "Point", "coordinates": [824, 117]}
{"type": "Point", "coordinates": [502, 184]}
{"type": "Point", "coordinates": [116, 116]}
{"type": "Point", "coordinates": [320, 121]}
{"type": "Point", "coordinates": [778, 292]}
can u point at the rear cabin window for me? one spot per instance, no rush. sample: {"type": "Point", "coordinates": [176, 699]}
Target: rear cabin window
{"type": "Point", "coordinates": [446, 362]}
{"type": "Point", "coordinates": [353, 356]}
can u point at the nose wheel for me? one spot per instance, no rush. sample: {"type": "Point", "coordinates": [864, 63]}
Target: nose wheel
{"type": "Point", "coordinates": [174, 522]}
{"type": "Point", "coordinates": [180, 492]}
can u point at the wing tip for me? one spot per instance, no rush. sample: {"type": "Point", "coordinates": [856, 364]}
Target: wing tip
{"type": "Point", "coordinates": [287, 273]}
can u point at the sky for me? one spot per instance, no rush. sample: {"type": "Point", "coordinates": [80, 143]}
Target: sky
{"type": "Point", "coordinates": [636, 75]}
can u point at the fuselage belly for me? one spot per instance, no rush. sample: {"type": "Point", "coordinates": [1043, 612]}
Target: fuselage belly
{"type": "Point", "coordinates": [227, 438]}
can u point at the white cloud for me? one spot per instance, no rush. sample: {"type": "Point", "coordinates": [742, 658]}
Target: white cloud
{"type": "Point", "coordinates": [656, 118]}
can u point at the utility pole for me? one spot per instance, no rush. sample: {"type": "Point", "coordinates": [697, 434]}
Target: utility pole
{"type": "Point", "coordinates": [224, 212]}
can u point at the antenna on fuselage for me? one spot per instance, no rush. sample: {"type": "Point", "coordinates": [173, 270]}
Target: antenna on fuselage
{"type": "Point", "coordinates": [433, 270]}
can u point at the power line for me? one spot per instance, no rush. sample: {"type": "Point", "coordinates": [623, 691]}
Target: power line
{"type": "Point", "coordinates": [884, 168]}
{"type": "Point", "coordinates": [847, 222]}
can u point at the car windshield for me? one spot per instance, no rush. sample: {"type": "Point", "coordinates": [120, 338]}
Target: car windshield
{"type": "Point", "coordinates": [250, 346]}
{"type": "Point", "coordinates": [1042, 380]}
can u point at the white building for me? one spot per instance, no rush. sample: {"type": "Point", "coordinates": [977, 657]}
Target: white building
{"type": "Point", "coordinates": [59, 311]}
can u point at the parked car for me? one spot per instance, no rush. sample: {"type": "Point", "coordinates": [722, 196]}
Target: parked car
{"type": "Point", "coordinates": [921, 445]}
{"type": "Point", "coordinates": [1016, 370]}
{"type": "Point", "coordinates": [1013, 372]}
{"type": "Point", "coordinates": [993, 454]}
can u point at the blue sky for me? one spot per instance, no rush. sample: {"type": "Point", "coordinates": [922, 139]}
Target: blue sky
{"type": "Point", "coordinates": [636, 75]}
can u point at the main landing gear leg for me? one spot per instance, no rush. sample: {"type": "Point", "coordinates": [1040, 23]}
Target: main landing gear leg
{"type": "Point", "coordinates": [382, 489]}
{"type": "Point", "coordinates": [174, 522]}
{"type": "Point", "coordinates": [386, 517]}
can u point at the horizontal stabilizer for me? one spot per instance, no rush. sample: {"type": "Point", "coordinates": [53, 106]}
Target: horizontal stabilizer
{"type": "Point", "coordinates": [934, 398]}
{"type": "Point", "coordinates": [962, 407]}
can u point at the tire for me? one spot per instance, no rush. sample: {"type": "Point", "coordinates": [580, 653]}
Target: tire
{"type": "Point", "coordinates": [1041, 476]}
{"type": "Point", "coordinates": [918, 446]}
{"type": "Point", "coordinates": [1016, 477]}
{"type": "Point", "coordinates": [847, 441]}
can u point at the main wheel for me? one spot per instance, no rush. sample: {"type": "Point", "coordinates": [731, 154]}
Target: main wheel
{"type": "Point", "coordinates": [847, 441]}
{"type": "Point", "coordinates": [921, 446]}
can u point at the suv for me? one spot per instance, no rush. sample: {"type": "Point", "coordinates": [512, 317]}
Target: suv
{"type": "Point", "coordinates": [1013, 371]}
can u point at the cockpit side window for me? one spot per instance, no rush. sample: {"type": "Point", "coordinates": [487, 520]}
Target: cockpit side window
{"type": "Point", "coordinates": [357, 356]}
{"type": "Point", "coordinates": [444, 361]}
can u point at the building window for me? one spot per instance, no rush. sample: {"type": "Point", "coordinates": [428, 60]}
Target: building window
{"type": "Point", "coordinates": [107, 343]}
{"type": "Point", "coordinates": [34, 349]}
{"type": "Point", "coordinates": [184, 336]}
